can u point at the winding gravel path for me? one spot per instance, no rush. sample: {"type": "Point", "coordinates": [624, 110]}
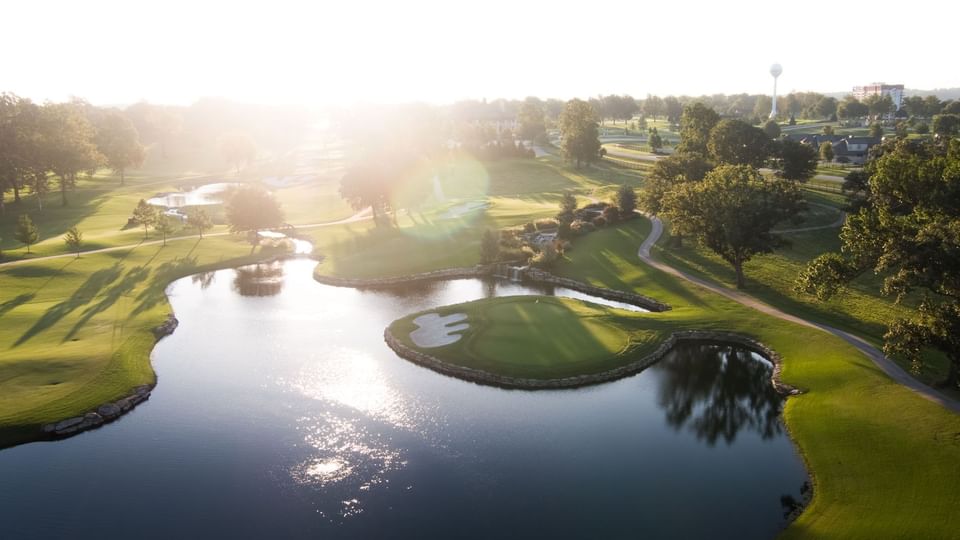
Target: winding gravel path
{"type": "Point", "coordinates": [874, 354]}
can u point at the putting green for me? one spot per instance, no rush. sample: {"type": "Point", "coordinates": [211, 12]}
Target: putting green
{"type": "Point", "coordinates": [539, 337]}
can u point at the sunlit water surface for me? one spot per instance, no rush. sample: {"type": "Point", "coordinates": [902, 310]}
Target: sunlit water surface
{"type": "Point", "coordinates": [280, 413]}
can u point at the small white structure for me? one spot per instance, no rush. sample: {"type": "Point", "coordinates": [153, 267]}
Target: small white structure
{"type": "Point", "coordinates": [775, 70]}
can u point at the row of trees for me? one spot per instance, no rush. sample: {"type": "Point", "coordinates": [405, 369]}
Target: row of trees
{"type": "Point", "coordinates": [60, 139]}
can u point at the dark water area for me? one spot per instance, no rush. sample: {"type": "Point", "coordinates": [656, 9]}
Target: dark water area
{"type": "Point", "coordinates": [281, 413]}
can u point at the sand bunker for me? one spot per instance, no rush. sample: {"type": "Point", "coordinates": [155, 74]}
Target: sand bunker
{"type": "Point", "coordinates": [437, 331]}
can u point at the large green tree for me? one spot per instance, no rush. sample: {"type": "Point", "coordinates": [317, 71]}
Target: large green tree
{"type": "Point", "coordinates": [738, 143]}
{"type": "Point", "coordinates": [667, 173]}
{"type": "Point", "coordinates": [578, 127]}
{"type": "Point", "coordinates": [20, 145]}
{"type": "Point", "coordinates": [145, 215]}
{"type": "Point", "coordinates": [119, 143]}
{"type": "Point", "coordinates": [68, 143]}
{"type": "Point", "coordinates": [907, 232]}
{"type": "Point", "coordinates": [695, 125]}
{"type": "Point", "coordinates": [531, 120]}
{"type": "Point", "coordinates": [251, 209]}
{"type": "Point", "coordinates": [796, 161]}
{"type": "Point", "coordinates": [733, 211]}
{"type": "Point", "coordinates": [366, 185]}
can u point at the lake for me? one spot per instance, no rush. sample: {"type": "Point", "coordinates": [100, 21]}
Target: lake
{"type": "Point", "coordinates": [281, 413]}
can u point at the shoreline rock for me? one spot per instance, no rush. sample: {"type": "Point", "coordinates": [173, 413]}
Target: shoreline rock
{"type": "Point", "coordinates": [632, 368]}
{"type": "Point", "coordinates": [112, 410]}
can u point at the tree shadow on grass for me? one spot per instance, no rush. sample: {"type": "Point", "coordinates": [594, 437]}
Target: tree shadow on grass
{"type": "Point", "coordinates": [14, 302]}
{"type": "Point", "coordinates": [134, 277]}
{"type": "Point", "coordinates": [84, 293]}
{"type": "Point", "coordinates": [155, 291]}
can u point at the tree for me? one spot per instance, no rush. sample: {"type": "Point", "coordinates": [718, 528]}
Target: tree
{"type": "Point", "coordinates": [568, 203]}
{"type": "Point", "coordinates": [489, 247]}
{"type": "Point", "coordinates": [73, 239]}
{"type": "Point", "coordinates": [951, 107]}
{"type": "Point", "coordinates": [772, 128]}
{"type": "Point", "coordinates": [26, 232]}
{"type": "Point", "coordinates": [922, 128]}
{"type": "Point", "coordinates": [906, 232]}
{"type": "Point", "coordinates": [578, 127]}
{"type": "Point", "coordinates": [653, 106]}
{"type": "Point", "coordinates": [878, 106]}
{"type": "Point", "coordinates": [655, 141]}
{"type": "Point", "coordinates": [826, 107]}
{"type": "Point", "coordinates": [626, 201]}
{"type": "Point", "coordinates": [531, 121]}
{"type": "Point", "coordinates": [68, 146]}
{"type": "Point", "coordinates": [901, 129]}
{"type": "Point", "coordinates": [672, 108]}
{"type": "Point", "coordinates": [876, 130]}
{"type": "Point", "coordinates": [827, 130]}
{"type": "Point", "coordinates": [946, 125]}
{"type": "Point", "coordinates": [20, 146]}
{"type": "Point", "coordinates": [796, 161]}
{"type": "Point", "coordinates": [251, 209]}
{"type": "Point", "coordinates": [738, 143]}
{"type": "Point", "coordinates": [667, 173]}
{"type": "Point", "coordinates": [363, 186]}
{"type": "Point", "coordinates": [238, 149]}
{"type": "Point", "coordinates": [695, 126]}
{"type": "Point", "coordinates": [851, 108]}
{"type": "Point", "coordinates": [198, 219]}
{"type": "Point", "coordinates": [119, 143]}
{"type": "Point", "coordinates": [826, 151]}
{"type": "Point", "coordinates": [145, 215]}
{"type": "Point", "coordinates": [165, 226]}
{"type": "Point", "coordinates": [932, 106]}
{"type": "Point", "coordinates": [732, 212]}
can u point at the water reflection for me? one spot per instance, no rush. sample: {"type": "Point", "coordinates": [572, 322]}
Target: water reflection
{"type": "Point", "coordinates": [716, 391]}
{"type": "Point", "coordinates": [259, 279]}
{"type": "Point", "coordinates": [204, 279]}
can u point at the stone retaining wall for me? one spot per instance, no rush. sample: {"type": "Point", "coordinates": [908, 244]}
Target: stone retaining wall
{"type": "Point", "coordinates": [447, 273]}
{"type": "Point", "coordinates": [492, 379]}
{"type": "Point", "coordinates": [542, 276]}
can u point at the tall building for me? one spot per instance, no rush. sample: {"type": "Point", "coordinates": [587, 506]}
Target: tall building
{"type": "Point", "coordinates": [895, 91]}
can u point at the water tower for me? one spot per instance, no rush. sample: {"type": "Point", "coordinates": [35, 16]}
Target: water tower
{"type": "Point", "coordinates": [775, 70]}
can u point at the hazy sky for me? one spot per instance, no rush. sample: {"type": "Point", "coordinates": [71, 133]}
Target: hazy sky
{"type": "Point", "coordinates": [115, 52]}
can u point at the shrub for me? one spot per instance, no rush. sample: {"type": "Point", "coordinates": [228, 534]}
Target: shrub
{"type": "Point", "coordinates": [529, 227]}
{"type": "Point", "coordinates": [599, 222]}
{"type": "Point", "coordinates": [579, 227]}
{"type": "Point", "coordinates": [611, 214]}
{"type": "Point", "coordinates": [547, 255]}
{"type": "Point", "coordinates": [546, 224]}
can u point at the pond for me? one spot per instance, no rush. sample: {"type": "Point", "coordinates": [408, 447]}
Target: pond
{"type": "Point", "coordinates": [281, 413]}
{"type": "Point", "coordinates": [204, 195]}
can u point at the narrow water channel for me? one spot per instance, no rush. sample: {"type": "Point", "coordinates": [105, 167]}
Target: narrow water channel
{"type": "Point", "coordinates": [280, 413]}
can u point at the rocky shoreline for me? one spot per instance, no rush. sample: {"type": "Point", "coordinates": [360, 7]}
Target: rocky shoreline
{"type": "Point", "coordinates": [108, 412]}
{"type": "Point", "coordinates": [493, 379]}
{"type": "Point", "coordinates": [534, 275]}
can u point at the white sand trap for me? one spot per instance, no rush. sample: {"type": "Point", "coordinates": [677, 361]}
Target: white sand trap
{"type": "Point", "coordinates": [437, 331]}
{"type": "Point", "coordinates": [465, 208]}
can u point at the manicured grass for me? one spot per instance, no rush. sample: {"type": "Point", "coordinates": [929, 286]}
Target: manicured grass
{"type": "Point", "coordinates": [883, 459]}
{"type": "Point", "coordinates": [540, 337]}
{"type": "Point", "coordinates": [77, 333]}
{"type": "Point", "coordinates": [770, 278]}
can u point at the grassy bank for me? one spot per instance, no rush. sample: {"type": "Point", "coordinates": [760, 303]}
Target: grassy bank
{"type": "Point", "coordinates": [882, 458]}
